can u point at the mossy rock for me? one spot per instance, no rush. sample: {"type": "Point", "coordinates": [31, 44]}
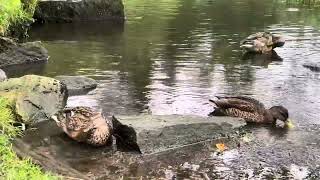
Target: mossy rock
{"type": "Point", "coordinates": [35, 98]}
{"type": "Point", "coordinates": [80, 10]}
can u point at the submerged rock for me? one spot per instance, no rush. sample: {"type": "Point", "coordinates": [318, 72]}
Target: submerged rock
{"type": "Point", "coordinates": [78, 10]}
{"type": "Point", "coordinates": [13, 53]}
{"type": "Point", "coordinates": [3, 75]}
{"type": "Point", "coordinates": [151, 133]}
{"type": "Point", "coordinates": [35, 98]}
{"type": "Point", "coordinates": [313, 67]}
{"type": "Point", "coordinates": [78, 85]}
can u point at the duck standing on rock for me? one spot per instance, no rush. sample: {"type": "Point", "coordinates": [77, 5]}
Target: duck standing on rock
{"type": "Point", "coordinates": [262, 42]}
{"type": "Point", "coordinates": [83, 124]}
{"type": "Point", "coordinates": [249, 109]}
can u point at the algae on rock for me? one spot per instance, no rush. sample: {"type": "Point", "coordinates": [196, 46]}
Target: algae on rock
{"type": "Point", "coordinates": [36, 98]}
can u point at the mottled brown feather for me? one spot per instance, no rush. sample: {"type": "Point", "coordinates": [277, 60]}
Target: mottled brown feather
{"type": "Point", "coordinates": [83, 124]}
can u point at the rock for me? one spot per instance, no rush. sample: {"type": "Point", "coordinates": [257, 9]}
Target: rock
{"type": "Point", "coordinates": [12, 53]}
{"type": "Point", "coordinates": [36, 98]}
{"type": "Point", "coordinates": [151, 134]}
{"type": "Point", "coordinates": [54, 151]}
{"type": "Point", "coordinates": [78, 85]}
{"type": "Point", "coordinates": [313, 67]}
{"type": "Point", "coordinates": [78, 10]}
{"type": "Point", "coordinates": [3, 75]}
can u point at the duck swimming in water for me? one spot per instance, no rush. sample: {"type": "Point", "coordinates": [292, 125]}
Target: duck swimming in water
{"type": "Point", "coordinates": [262, 42]}
{"type": "Point", "coordinates": [83, 124]}
{"type": "Point", "coordinates": [249, 109]}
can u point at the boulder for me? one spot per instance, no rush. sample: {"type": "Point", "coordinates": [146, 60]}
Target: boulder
{"type": "Point", "coordinates": [3, 75]}
{"type": "Point", "coordinates": [35, 98]}
{"type": "Point", "coordinates": [13, 53]}
{"type": "Point", "coordinates": [78, 10]}
{"type": "Point", "coordinates": [78, 85]}
{"type": "Point", "coordinates": [152, 134]}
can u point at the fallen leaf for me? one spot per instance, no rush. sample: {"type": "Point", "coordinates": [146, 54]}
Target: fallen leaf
{"type": "Point", "coordinates": [221, 147]}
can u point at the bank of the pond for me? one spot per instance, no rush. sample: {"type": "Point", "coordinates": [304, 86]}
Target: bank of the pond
{"type": "Point", "coordinates": [14, 14]}
{"type": "Point", "coordinates": [11, 167]}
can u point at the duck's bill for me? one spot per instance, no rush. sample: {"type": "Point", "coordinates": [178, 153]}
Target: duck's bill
{"type": "Point", "coordinates": [289, 124]}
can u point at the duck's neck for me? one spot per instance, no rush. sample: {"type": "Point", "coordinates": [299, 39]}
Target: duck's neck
{"type": "Point", "coordinates": [268, 117]}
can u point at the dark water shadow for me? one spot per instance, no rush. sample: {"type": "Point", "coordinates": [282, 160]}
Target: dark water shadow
{"type": "Point", "coordinates": [262, 60]}
{"type": "Point", "coordinates": [76, 31]}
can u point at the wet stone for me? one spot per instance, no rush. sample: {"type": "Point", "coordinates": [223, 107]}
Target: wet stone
{"type": "Point", "coordinates": [152, 134]}
{"type": "Point", "coordinates": [79, 10]}
{"type": "Point", "coordinates": [78, 85]}
{"type": "Point", "coordinates": [3, 75]}
{"type": "Point", "coordinates": [13, 53]}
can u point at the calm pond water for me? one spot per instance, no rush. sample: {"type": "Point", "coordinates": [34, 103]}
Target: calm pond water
{"type": "Point", "coordinates": [171, 56]}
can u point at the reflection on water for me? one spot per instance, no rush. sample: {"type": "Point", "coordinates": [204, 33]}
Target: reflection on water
{"type": "Point", "coordinates": [171, 56]}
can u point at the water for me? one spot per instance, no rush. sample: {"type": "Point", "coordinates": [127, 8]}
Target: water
{"type": "Point", "coordinates": [171, 56]}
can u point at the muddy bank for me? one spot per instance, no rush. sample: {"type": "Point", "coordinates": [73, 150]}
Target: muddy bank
{"type": "Point", "coordinates": [81, 10]}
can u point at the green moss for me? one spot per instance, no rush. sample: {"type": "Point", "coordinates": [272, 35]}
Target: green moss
{"type": "Point", "coordinates": [11, 167]}
{"type": "Point", "coordinates": [13, 12]}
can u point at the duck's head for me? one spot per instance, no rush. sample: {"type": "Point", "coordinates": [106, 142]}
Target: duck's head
{"type": "Point", "coordinates": [278, 40]}
{"type": "Point", "coordinates": [62, 116]}
{"type": "Point", "coordinates": [280, 113]}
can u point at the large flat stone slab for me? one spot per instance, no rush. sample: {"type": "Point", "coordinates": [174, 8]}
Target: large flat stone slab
{"type": "Point", "coordinates": [48, 146]}
{"type": "Point", "coordinates": [152, 134]}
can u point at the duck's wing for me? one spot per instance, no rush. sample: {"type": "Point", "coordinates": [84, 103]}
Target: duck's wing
{"type": "Point", "coordinates": [239, 102]}
{"type": "Point", "coordinates": [251, 38]}
{"type": "Point", "coordinates": [258, 38]}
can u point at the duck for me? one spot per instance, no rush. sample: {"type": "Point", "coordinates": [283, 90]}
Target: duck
{"type": "Point", "coordinates": [83, 124]}
{"type": "Point", "coordinates": [250, 109]}
{"type": "Point", "coordinates": [262, 42]}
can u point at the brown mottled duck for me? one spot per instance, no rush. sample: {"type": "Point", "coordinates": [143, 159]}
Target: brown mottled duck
{"type": "Point", "coordinates": [249, 109]}
{"type": "Point", "coordinates": [262, 42]}
{"type": "Point", "coordinates": [83, 124]}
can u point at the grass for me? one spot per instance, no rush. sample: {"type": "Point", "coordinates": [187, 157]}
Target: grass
{"type": "Point", "coordinates": [11, 167]}
{"type": "Point", "coordinates": [13, 12]}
